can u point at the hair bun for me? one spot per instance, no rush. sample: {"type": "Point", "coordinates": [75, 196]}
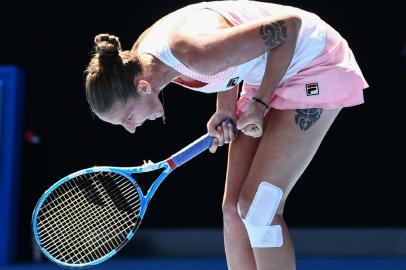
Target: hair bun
{"type": "Point", "coordinates": [108, 47]}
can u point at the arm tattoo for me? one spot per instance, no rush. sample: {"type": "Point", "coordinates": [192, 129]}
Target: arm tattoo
{"type": "Point", "coordinates": [305, 118]}
{"type": "Point", "coordinates": [273, 34]}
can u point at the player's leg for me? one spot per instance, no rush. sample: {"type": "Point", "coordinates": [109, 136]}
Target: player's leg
{"type": "Point", "coordinates": [238, 249]}
{"type": "Point", "coordinates": [290, 140]}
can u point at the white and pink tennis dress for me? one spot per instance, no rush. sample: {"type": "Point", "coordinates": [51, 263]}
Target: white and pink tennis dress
{"type": "Point", "coordinates": [323, 72]}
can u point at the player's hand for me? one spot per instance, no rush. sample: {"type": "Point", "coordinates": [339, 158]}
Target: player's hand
{"type": "Point", "coordinates": [251, 123]}
{"type": "Point", "coordinates": [222, 131]}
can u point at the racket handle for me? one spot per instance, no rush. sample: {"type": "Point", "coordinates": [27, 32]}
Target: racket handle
{"type": "Point", "coordinates": [194, 149]}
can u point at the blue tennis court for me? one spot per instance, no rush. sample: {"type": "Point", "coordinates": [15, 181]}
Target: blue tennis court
{"type": "Point", "coordinates": [218, 263]}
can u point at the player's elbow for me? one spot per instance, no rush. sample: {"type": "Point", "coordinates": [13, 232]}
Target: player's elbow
{"type": "Point", "coordinates": [288, 29]}
{"type": "Point", "coordinates": [294, 23]}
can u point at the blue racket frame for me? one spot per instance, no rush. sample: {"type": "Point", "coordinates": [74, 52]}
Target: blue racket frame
{"type": "Point", "coordinates": [168, 165]}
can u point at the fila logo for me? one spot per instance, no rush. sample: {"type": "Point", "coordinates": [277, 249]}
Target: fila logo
{"type": "Point", "coordinates": [312, 89]}
{"type": "Point", "coordinates": [232, 82]}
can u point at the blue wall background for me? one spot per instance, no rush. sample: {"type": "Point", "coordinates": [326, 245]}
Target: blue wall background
{"type": "Point", "coordinates": [11, 122]}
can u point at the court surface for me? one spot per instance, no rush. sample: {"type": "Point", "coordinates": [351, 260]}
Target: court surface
{"type": "Point", "coordinates": [217, 263]}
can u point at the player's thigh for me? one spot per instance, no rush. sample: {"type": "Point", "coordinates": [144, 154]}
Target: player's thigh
{"type": "Point", "coordinates": [240, 155]}
{"type": "Point", "coordinates": [290, 140]}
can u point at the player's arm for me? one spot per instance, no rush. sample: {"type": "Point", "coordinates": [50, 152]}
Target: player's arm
{"type": "Point", "coordinates": [227, 100]}
{"type": "Point", "coordinates": [214, 51]}
{"type": "Point", "coordinates": [226, 108]}
{"type": "Point", "coordinates": [278, 61]}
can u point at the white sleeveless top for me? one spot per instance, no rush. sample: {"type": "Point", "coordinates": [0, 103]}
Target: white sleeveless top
{"type": "Point", "coordinates": [310, 42]}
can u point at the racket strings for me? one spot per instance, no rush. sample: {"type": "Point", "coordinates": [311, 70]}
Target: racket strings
{"type": "Point", "coordinates": [70, 215]}
{"type": "Point", "coordinates": [65, 225]}
{"type": "Point", "coordinates": [98, 233]}
{"type": "Point", "coordinates": [104, 237]}
{"type": "Point", "coordinates": [109, 240]}
{"type": "Point", "coordinates": [120, 230]}
{"type": "Point", "coordinates": [78, 210]}
{"type": "Point", "coordinates": [83, 205]}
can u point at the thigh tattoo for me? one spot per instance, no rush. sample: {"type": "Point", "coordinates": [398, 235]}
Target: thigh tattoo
{"type": "Point", "coordinates": [305, 118]}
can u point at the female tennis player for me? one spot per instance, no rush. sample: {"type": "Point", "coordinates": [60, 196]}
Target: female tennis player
{"type": "Point", "coordinates": [296, 73]}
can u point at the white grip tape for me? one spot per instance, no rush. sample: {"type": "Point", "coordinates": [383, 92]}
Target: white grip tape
{"type": "Point", "coordinates": [260, 216]}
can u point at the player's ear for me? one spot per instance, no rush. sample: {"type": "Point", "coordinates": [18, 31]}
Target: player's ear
{"type": "Point", "coordinates": [143, 87]}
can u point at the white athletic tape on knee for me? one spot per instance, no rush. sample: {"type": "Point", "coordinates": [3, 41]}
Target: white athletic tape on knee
{"type": "Point", "coordinates": [260, 216]}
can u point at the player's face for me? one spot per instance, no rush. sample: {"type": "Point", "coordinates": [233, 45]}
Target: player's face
{"type": "Point", "coordinates": [134, 112]}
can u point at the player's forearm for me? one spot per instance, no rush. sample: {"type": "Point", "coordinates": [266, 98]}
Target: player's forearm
{"type": "Point", "coordinates": [227, 100]}
{"type": "Point", "coordinates": [278, 62]}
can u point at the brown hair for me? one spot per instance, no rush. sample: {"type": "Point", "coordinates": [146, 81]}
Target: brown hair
{"type": "Point", "coordinates": [110, 74]}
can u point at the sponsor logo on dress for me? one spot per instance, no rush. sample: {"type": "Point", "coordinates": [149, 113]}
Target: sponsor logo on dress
{"type": "Point", "coordinates": [312, 89]}
{"type": "Point", "coordinates": [233, 82]}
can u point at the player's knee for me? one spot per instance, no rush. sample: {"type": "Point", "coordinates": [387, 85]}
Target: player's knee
{"type": "Point", "coordinates": [278, 219]}
{"type": "Point", "coordinates": [229, 211]}
{"type": "Point", "coordinates": [281, 207]}
{"type": "Point", "coordinates": [244, 203]}
{"type": "Point", "coordinates": [231, 220]}
{"type": "Point", "coordinates": [259, 214]}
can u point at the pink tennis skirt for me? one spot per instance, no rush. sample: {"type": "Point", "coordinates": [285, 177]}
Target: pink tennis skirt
{"type": "Point", "coordinates": [332, 80]}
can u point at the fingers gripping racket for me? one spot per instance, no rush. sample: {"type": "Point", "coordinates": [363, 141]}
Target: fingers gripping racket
{"type": "Point", "coordinates": [87, 216]}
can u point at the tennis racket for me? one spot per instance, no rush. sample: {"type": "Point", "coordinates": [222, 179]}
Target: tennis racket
{"type": "Point", "coordinates": [88, 216]}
